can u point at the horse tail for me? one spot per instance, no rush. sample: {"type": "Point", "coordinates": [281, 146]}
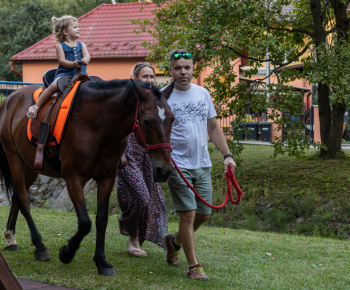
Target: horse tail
{"type": "Point", "coordinates": [5, 174]}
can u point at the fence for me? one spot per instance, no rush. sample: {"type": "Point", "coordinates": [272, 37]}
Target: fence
{"type": "Point", "coordinates": [7, 88]}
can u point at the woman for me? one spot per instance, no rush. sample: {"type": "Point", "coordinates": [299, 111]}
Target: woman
{"type": "Point", "coordinates": [140, 198]}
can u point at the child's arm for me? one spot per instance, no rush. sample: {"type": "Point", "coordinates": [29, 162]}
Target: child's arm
{"type": "Point", "coordinates": [62, 59]}
{"type": "Point", "coordinates": [86, 55]}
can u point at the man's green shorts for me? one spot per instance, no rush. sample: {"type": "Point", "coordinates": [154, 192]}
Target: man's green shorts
{"type": "Point", "coordinates": [184, 198]}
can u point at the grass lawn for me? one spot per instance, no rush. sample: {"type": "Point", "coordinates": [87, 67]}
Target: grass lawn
{"type": "Point", "coordinates": [234, 259]}
{"type": "Point", "coordinates": [309, 197]}
{"type": "Point", "coordinates": [291, 231]}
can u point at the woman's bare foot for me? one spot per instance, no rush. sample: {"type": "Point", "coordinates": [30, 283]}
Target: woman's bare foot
{"type": "Point", "coordinates": [134, 248]}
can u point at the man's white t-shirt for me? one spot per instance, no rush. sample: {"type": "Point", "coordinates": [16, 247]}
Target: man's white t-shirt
{"type": "Point", "coordinates": [189, 134]}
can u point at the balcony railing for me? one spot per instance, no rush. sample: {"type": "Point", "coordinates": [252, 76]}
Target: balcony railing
{"type": "Point", "coordinates": [7, 88]}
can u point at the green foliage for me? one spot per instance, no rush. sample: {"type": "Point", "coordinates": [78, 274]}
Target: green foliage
{"type": "Point", "coordinates": [219, 33]}
{"type": "Point", "coordinates": [24, 23]}
{"type": "Point", "coordinates": [21, 26]}
{"type": "Point", "coordinates": [335, 73]}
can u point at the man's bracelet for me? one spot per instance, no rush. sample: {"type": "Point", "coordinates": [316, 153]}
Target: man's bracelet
{"type": "Point", "coordinates": [228, 155]}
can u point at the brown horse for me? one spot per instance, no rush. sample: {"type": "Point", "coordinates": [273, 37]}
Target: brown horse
{"type": "Point", "coordinates": [101, 118]}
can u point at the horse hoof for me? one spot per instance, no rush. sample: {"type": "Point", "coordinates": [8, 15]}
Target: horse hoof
{"type": "Point", "coordinates": [107, 271]}
{"type": "Point", "coordinates": [42, 255]}
{"type": "Point", "coordinates": [12, 248]}
{"type": "Point", "coordinates": [64, 256]}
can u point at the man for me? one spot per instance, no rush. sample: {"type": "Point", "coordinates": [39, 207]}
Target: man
{"type": "Point", "coordinates": [194, 120]}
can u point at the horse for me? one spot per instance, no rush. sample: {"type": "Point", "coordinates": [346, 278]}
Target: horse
{"type": "Point", "coordinates": [104, 113]}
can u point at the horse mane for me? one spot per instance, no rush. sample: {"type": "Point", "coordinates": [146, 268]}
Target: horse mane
{"type": "Point", "coordinates": [124, 83]}
{"type": "Point", "coordinates": [154, 89]}
{"type": "Point", "coordinates": [106, 85]}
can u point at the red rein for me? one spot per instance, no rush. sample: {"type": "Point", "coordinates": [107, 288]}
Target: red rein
{"type": "Point", "coordinates": [136, 126]}
{"type": "Point", "coordinates": [231, 182]}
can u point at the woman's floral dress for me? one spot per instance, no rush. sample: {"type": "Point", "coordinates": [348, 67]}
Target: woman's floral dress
{"type": "Point", "coordinates": [140, 197]}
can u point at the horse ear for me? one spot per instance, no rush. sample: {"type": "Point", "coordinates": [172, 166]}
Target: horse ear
{"type": "Point", "coordinates": [169, 89]}
{"type": "Point", "coordinates": [140, 91]}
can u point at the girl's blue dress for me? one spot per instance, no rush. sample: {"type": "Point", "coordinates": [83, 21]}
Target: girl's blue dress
{"type": "Point", "coordinates": [71, 54]}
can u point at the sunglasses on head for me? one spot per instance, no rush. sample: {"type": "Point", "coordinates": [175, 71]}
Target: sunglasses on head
{"type": "Point", "coordinates": [185, 55]}
{"type": "Point", "coordinates": [143, 63]}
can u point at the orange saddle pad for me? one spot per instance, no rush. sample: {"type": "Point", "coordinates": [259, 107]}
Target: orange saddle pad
{"type": "Point", "coordinates": [62, 117]}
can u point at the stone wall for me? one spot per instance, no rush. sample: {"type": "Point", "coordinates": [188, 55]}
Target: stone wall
{"type": "Point", "coordinates": [49, 192]}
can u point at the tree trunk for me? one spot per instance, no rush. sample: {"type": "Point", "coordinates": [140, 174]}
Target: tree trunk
{"type": "Point", "coordinates": [331, 123]}
{"type": "Point", "coordinates": [331, 118]}
{"type": "Point", "coordinates": [336, 130]}
{"type": "Point", "coordinates": [335, 133]}
{"type": "Point", "coordinates": [325, 115]}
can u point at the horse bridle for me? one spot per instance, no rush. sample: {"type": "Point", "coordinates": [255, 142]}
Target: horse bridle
{"type": "Point", "coordinates": [136, 126]}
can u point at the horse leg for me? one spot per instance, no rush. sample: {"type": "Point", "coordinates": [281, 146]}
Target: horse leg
{"type": "Point", "coordinates": [41, 252]}
{"type": "Point", "coordinates": [76, 193]}
{"type": "Point", "coordinates": [22, 178]}
{"type": "Point", "coordinates": [9, 232]}
{"type": "Point", "coordinates": [103, 194]}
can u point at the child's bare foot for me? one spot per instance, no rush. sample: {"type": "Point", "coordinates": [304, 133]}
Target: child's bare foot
{"type": "Point", "coordinates": [33, 112]}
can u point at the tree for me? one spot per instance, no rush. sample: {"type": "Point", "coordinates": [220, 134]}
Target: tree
{"type": "Point", "coordinates": [20, 27]}
{"type": "Point", "coordinates": [220, 32]}
{"type": "Point", "coordinates": [25, 22]}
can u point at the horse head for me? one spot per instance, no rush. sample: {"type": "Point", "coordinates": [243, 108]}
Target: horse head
{"type": "Point", "coordinates": [155, 120]}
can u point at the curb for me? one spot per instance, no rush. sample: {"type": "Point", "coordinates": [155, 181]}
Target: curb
{"type": "Point", "coordinates": [261, 143]}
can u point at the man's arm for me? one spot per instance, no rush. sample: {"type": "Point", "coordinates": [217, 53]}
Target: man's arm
{"type": "Point", "coordinates": [218, 138]}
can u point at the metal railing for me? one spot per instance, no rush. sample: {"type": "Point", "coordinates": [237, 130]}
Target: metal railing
{"type": "Point", "coordinates": [7, 88]}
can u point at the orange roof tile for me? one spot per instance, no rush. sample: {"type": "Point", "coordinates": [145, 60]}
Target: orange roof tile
{"type": "Point", "coordinates": [107, 32]}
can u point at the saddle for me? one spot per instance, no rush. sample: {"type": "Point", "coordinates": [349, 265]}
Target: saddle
{"type": "Point", "coordinates": [43, 125]}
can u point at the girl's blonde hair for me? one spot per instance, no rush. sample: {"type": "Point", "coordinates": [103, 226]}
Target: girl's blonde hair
{"type": "Point", "coordinates": [139, 66]}
{"type": "Point", "coordinates": [60, 25]}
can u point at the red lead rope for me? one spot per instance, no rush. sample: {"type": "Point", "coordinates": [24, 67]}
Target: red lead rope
{"type": "Point", "coordinates": [231, 182]}
{"type": "Point", "coordinates": [230, 177]}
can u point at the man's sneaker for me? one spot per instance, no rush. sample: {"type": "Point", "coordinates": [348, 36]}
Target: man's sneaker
{"type": "Point", "coordinates": [197, 273]}
{"type": "Point", "coordinates": [172, 253]}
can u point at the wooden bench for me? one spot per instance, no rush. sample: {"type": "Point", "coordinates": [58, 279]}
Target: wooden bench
{"type": "Point", "coordinates": [8, 281]}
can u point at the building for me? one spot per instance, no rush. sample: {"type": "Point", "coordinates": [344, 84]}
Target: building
{"type": "Point", "coordinates": [115, 48]}
{"type": "Point", "coordinates": [109, 35]}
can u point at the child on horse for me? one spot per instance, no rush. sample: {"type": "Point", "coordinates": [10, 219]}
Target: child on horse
{"type": "Point", "coordinates": [69, 53]}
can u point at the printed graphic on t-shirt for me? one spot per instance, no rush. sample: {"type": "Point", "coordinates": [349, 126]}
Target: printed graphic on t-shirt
{"type": "Point", "coordinates": [189, 112]}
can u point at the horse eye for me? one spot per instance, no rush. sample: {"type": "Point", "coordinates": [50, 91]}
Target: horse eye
{"type": "Point", "coordinates": [147, 122]}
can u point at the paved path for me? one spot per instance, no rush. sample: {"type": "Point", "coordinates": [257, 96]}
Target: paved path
{"type": "Point", "coordinates": [343, 146]}
{"type": "Point", "coordinates": [34, 285]}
